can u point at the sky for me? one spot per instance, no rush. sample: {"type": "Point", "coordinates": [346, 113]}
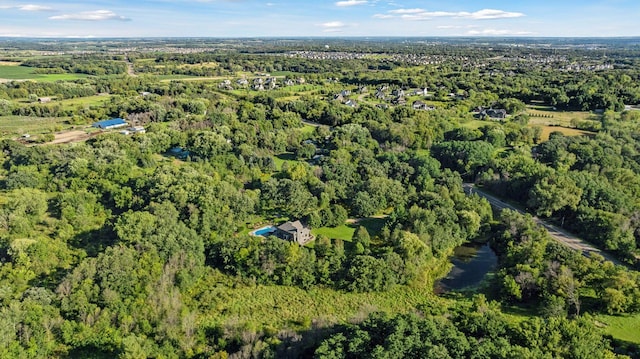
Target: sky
{"type": "Point", "coordinates": [318, 18]}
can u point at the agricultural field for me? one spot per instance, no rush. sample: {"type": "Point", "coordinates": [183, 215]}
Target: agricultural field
{"type": "Point", "coordinates": [15, 72]}
{"type": "Point", "coordinates": [20, 125]}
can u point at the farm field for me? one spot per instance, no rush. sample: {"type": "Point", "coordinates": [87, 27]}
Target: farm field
{"type": "Point", "coordinates": [19, 125]}
{"type": "Point", "coordinates": [14, 72]}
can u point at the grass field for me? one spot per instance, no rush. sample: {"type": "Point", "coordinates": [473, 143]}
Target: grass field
{"type": "Point", "coordinates": [546, 131]}
{"type": "Point", "coordinates": [19, 125]}
{"type": "Point", "coordinates": [14, 72]}
{"type": "Point", "coordinates": [284, 157]}
{"type": "Point", "coordinates": [85, 101]}
{"type": "Point", "coordinates": [625, 327]}
{"type": "Point", "coordinates": [260, 306]}
{"type": "Point", "coordinates": [545, 115]}
{"type": "Point", "coordinates": [344, 232]}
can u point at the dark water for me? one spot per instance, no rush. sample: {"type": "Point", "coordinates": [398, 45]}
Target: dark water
{"type": "Point", "coordinates": [471, 263]}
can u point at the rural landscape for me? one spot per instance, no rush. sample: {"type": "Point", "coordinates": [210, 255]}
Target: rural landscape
{"type": "Point", "coordinates": [324, 197]}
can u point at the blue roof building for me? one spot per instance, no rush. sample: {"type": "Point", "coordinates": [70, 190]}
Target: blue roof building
{"type": "Point", "coordinates": [109, 124]}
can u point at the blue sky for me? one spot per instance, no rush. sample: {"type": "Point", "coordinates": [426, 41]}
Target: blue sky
{"type": "Point", "coordinates": [287, 18]}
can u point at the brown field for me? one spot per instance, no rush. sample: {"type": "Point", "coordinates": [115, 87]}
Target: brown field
{"type": "Point", "coordinates": [546, 116]}
{"type": "Point", "coordinates": [546, 131]}
{"type": "Point", "coordinates": [70, 137]}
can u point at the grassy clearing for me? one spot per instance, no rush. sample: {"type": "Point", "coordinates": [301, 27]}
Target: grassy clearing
{"type": "Point", "coordinates": [344, 232]}
{"type": "Point", "coordinates": [168, 78]}
{"type": "Point", "coordinates": [625, 328]}
{"type": "Point", "coordinates": [474, 124]}
{"type": "Point", "coordinates": [85, 101]}
{"type": "Point", "coordinates": [546, 116]}
{"type": "Point", "coordinates": [279, 306]}
{"type": "Point", "coordinates": [547, 130]}
{"type": "Point", "coordinates": [18, 125]}
{"type": "Point", "coordinates": [284, 157]}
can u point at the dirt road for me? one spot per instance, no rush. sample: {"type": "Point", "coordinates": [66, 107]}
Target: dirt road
{"type": "Point", "coordinates": [556, 233]}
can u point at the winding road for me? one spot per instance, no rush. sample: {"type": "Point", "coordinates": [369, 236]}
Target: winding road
{"type": "Point", "coordinates": [556, 233]}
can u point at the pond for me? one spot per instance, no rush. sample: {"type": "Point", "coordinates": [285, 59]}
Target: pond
{"type": "Point", "coordinates": [471, 263]}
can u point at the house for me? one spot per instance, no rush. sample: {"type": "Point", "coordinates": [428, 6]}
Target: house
{"type": "Point", "coordinates": [289, 82]}
{"type": "Point", "coordinates": [398, 93]}
{"type": "Point", "coordinates": [499, 113]}
{"type": "Point", "coordinates": [137, 129]}
{"type": "Point", "coordinates": [242, 82]}
{"type": "Point", "coordinates": [491, 113]}
{"type": "Point", "coordinates": [351, 103]}
{"type": "Point", "coordinates": [110, 124]}
{"type": "Point", "coordinates": [271, 82]}
{"type": "Point", "coordinates": [294, 232]}
{"type": "Point", "coordinates": [301, 80]}
{"type": "Point", "coordinates": [338, 97]}
{"type": "Point", "coordinates": [399, 101]}
{"type": "Point", "coordinates": [345, 93]}
{"type": "Point", "coordinates": [380, 95]}
{"type": "Point", "coordinates": [225, 85]}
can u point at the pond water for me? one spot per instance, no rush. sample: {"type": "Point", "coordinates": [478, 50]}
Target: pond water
{"type": "Point", "coordinates": [471, 263]}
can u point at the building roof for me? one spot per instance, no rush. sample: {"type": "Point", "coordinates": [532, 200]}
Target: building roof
{"type": "Point", "coordinates": [111, 122]}
{"type": "Point", "coordinates": [291, 226]}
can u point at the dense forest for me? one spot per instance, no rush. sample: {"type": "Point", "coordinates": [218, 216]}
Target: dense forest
{"type": "Point", "coordinates": [140, 245]}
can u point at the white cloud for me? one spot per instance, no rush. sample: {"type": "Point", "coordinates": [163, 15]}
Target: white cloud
{"type": "Point", "coordinates": [350, 3]}
{"type": "Point", "coordinates": [333, 26]}
{"type": "Point", "coordinates": [28, 7]}
{"type": "Point", "coordinates": [98, 15]}
{"type": "Point", "coordinates": [407, 11]}
{"type": "Point", "coordinates": [497, 32]}
{"type": "Point", "coordinates": [422, 14]}
{"type": "Point", "coordinates": [488, 14]}
{"type": "Point", "coordinates": [31, 7]}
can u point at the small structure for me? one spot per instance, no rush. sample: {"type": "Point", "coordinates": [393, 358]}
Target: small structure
{"type": "Point", "coordinates": [110, 124]}
{"type": "Point", "coordinates": [44, 99]}
{"type": "Point", "coordinates": [351, 103]}
{"type": "Point", "coordinates": [294, 232]}
{"type": "Point", "coordinates": [137, 129]}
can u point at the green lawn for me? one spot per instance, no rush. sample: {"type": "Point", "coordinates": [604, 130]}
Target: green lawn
{"type": "Point", "coordinates": [13, 72]}
{"type": "Point", "coordinates": [344, 232]}
{"type": "Point", "coordinates": [284, 157]}
{"type": "Point", "coordinates": [625, 327]}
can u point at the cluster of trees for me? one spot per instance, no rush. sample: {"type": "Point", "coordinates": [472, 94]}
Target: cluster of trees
{"type": "Point", "coordinates": [536, 270]}
{"type": "Point", "coordinates": [90, 64]}
{"type": "Point", "coordinates": [106, 245]}
{"type": "Point", "coordinates": [475, 330]}
{"type": "Point", "coordinates": [588, 184]}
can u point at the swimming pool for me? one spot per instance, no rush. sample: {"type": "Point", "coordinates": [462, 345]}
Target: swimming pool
{"type": "Point", "coordinates": [264, 231]}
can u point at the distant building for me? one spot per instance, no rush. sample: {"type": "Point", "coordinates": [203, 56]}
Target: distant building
{"type": "Point", "coordinates": [44, 99]}
{"type": "Point", "coordinates": [294, 232]}
{"type": "Point", "coordinates": [110, 124]}
{"type": "Point", "coordinates": [491, 113]}
{"type": "Point", "coordinates": [137, 129]}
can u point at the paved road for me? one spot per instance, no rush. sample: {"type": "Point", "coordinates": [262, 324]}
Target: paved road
{"type": "Point", "coordinates": [556, 233]}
